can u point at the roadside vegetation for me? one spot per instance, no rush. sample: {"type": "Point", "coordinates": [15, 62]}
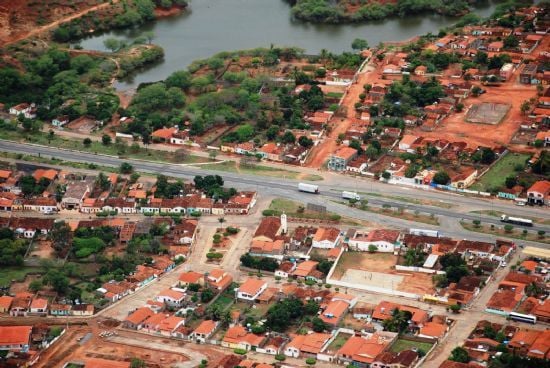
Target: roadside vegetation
{"type": "Point", "coordinates": [507, 231]}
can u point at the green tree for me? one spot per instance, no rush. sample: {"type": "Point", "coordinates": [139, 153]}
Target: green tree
{"type": "Point", "coordinates": [82, 63]}
{"type": "Point", "coordinates": [126, 168]}
{"type": "Point", "coordinates": [106, 140]}
{"type": "Point", "coordinates": [180, 79]}
{"type": "Point", "coordinates": [359, 44]}
{"type": "Point", "coordinates": [112, 44]}
{"type": "Point", "coordinates": [318, 324]}
{"type": "Point", "coordinates": [459, 354]}
{"type": "Point", "coordinates": [137, 363]}
{"type": "Point", "coordinates": [441, 177]}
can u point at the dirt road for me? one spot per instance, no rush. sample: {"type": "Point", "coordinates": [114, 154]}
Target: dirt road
{"type": "Point", "coordinates": [48, 27]}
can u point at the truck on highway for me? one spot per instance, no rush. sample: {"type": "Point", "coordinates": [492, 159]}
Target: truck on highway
{"type": "Point", "coordinates": [308, 188]}
{"type": "Point", "coordinates": [351, 195]}
{"type": "Point", "coordinates": [424, 232]}
{"type": "Point", "coordinates": [516, 220]}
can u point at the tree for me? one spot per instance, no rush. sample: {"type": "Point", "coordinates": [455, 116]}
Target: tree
{"type": "Point", "coordinates": [525, 107]}
{"type": "Point", "coordinates": [511, 181]}
{"type": "Point", "coordinates": [112, 44]}
{"type": "Point", "coordinates": [180, 79]}
{"type": "Point", "coordinates": [318, 324]}
{"type": "Point", "coordinates": [359, 44]}
{"type": "Point", "coordinates": [288, 138]}
{"type": "Point", "coordinates": [87, 142]}
{"type": "Point", "coordinates": [373, 248]}
{"type": "Point", "coordinates": [511, 42]}
{"type": "Point", "coordinates": [305, 141]}
{"type": "Point", "coordinates": [508, 228]}
{"type": "Point", "coordinates": [82, 63]}
{"type": "Point", "coordinates": [102, 181]}
{"type": "Point", "coordinates": [399, 321]}
{"type": "Point", "coordinates": [476, 223]}
{"type": "Point", "coordinates": [35, 285]}
{"type": "Point", "coordinates": [459, 354]}
{"type": "Point", "coordinates": [126, 168]}
{"type": "Point", "coordinates": [441, 177]}
{"type": "Point", "coordinates": [106, 140]}
{"type": "Point", "coordinates": [455, 308]}
{"type": "Point", "coordinates": [57, 280]}
{"type": "Point", "coordinates": [386, 175]}
{"type": "Point", "coordinates": [137, 363]}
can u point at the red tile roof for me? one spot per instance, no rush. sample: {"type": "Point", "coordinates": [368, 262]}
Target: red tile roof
{"type": "Point", "coordinates": [15, 335]}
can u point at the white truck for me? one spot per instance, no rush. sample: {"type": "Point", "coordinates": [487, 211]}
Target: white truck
{"type": "Point", "coordinates": [308, 188]}
{"type": "Point", "coordinates": [351, 195]}
{"type": "Point", "coordinates": [425, 232]}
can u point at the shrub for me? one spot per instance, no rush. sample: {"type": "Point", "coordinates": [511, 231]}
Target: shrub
{"type": "Point", "coordinates": [280, 357]}
{"type": "Point", "coordinates": [268, 212]}
{"type": "Point", "coordinates": [311, 361]}
{"type": "Point", "coordinates": [239, 351]}
{"type": "Point", "coordinates": [232, 230]}
{"type": "Point", "coordinates": [508, 228]}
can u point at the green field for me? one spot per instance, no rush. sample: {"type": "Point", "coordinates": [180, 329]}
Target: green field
{"type": "Point", "coordinates": [231, 166]}
{"type": "Point", "coordinates": [402, 344]}
{"type": "Point", "coordinates": [14, 273]}
{"type": "Point", "coordinates": [496, 176]}
{"type": "Point", "coordinates": [339, 341]}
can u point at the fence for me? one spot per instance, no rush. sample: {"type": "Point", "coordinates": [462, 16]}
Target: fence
{"type": "Point", "coordinates": [418, 269]}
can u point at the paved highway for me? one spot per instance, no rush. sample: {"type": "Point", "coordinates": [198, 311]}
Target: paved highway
{"type": "Point", "coordinates": [330, 191]}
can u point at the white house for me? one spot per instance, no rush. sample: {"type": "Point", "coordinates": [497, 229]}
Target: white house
{"type": "Point", "coordinates": [383, 240]}
{"type": "Point", "coordinates": [171, 297]}
{"type": "Point", "coordinates": [251, 289]}
{"type": "Point", "coordinates": [27, 110]}
{"type": "Point", "coordinates": [326, 238]}
{"type": "Point", "coordinates": [204, 331]}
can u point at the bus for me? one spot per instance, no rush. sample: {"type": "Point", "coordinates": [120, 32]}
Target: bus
{"type": "Point", "coordinates": [527, 318]}
{"type": "Point", "coordinates": [516, 220]}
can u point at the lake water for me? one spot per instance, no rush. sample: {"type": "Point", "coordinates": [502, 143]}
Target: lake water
{"type": "Point", "coordinates": [211, 26]}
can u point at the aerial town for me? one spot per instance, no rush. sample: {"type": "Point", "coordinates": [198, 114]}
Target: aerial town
{"type": "Point", "coordinates": [179, 189]}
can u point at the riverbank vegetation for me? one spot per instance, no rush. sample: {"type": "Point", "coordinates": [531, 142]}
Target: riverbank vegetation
{"type": "Point", "coordinates": [342, 11]}
{"type": "Point", "coordinates": [124, 14]}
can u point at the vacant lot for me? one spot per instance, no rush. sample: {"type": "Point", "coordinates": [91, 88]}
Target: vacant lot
{"type": "Point", "coordinates": [402, 344]}
{"type": "Point", "coordinates": [234, 167]}
{"type": "Point", "coordinates": [496, 176]}
{"type": "Point", "coordinates": [18, 274]}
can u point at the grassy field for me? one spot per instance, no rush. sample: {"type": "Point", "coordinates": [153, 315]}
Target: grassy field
{"type": "Point", "coordinates": [260, 170]}
{"type": "Point", "coordinates": [8, 274]}
{"type": "Point", "coordinates": [401, 344]}
{"type": "Point", "coordinates": [292, 209]}
{"type": "Point", "coordinates": [496, 176]}
{"type": "Point", "coordinates": [427, 202]}
{"type": "Point", "coordinates": [397, 213]}
{"type": "Point", "coordinates": [97, 147]}
{"type": "Point", "coordinates": [517, 232]}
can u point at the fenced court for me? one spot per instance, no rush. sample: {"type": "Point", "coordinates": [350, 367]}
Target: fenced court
{"type": "Point", "coordinates": [369, 278]}
{"type": "Point", "coordinates": [487, 113]}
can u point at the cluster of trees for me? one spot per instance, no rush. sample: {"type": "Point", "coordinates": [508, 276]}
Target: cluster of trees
{"type": "Point", "coordinates": [326, 11]}
{"type": "Point", "coordinates": [30, 187]}
{"type": "Point", "coordinates": [415, 257]}
{"type": "Point", "coordinates": [88, 241]}
{"type": "Point", "coordinates": [399, 321]}
{"type": "Point", "coordinates": [147, 55]}
{"type": "Point", "coordinates": [12, 250]}
{"type": "Point", "coordinates": [212, 185]}
{"type": "Point", "coordinates": [285, 312]}
{"type": "Point", "coordinates": [407, 95]}
{"type": "Point", "coordinates": [166, 189]}
{"type": "Point", "coordinates": [455, 268]}
{"type": "Point", "coordinates": [259, 263]}
{"type": "Point", "coordinates": [53, 78]}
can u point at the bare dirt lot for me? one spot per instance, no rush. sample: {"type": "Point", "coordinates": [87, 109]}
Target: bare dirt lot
{"type": "Point", "coordinates": [42, 249]}
{"type": "Point", "coordinates": [377, 269]}
{"type": "Point", "coordinates": [456, 128]}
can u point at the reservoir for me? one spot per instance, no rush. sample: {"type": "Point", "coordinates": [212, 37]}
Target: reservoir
{"type": "Point", "coordinates": [212, 26]}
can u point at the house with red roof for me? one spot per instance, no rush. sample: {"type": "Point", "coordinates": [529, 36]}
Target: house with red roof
{"type": "Point", "coordinates": [204, 331]}
{"type": "Point", "coordinates": [171, 297]}
{"type": "Point", "coordinates": [306, 345]}
{"type": "Point", "coordinates": [384, 240]}
{"type": "Point", "coordinates": [39, 306]}
{"type": "Point", "coordinates": [15, 338]}
{"type": "Point", "coordinates": [339, 160]}
{"type": "Point", "coordinates": [363, 351]}
{"type": "Point", "coordinates": [326, 238]}
{"type": "Point", "coordinates": [5, 303]}
{"type": "Point", "coordinates": [251, 289]}
{"type": "Point", "coordinates": [238, 337]}
{"type": "Point", "coordinates": [539, 193]}
{"type": "Point", "coordinates": [137, 318]}
{"type": "Point", "coordinates": [219, 279]}
{"type": "Point", "coordinates": [334, 312]}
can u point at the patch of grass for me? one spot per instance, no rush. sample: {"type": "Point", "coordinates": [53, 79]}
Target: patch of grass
{"type": "Point", "coordinates": [223, 301]}
{"type": "Point", "coordinates": [517, 232]}
{"type": "Point", "coordinates": [397, 213]}
{"type": "Point", "coordinates": [427, 202]}
{"type": "Point", "coordinates": [18, 274]}
{"type": "Point", "coordinates": [339, 341]}
{"type": "Point", "coordinates": [97, 147]}
{"type": "Point", "coordinates": [297, 210]}
{"type": "Point", "coordinates": [260, 170]}
{"type": "Point", "coordinates": [496, 176]}
{"type": "Point", "coordinates": [402, 344]}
